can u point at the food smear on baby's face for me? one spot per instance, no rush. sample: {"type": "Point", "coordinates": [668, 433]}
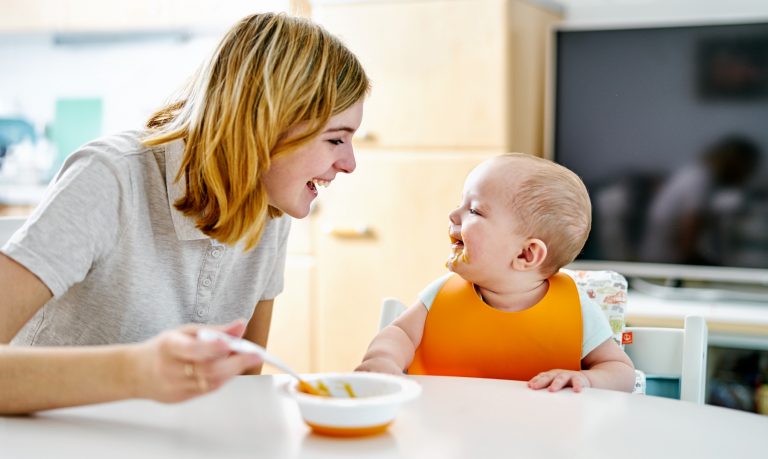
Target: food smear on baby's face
{"type": "Point", "coordinates": [458, 253]}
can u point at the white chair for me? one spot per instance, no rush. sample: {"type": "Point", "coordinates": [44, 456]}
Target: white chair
{"type": "Point", "coordinates": [673, 354]}
{"type": "Point", "coordinates": [391, 308]}
{"type": "Point", "coordinates": [667, 354]}
{"type": "Point", "coordinates": [8, 226]}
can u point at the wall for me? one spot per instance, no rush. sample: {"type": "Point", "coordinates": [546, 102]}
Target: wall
{"type": "Point", "coordinates": [132, 78]}
{"type": "Point", "coordinates": [132, 71]}
{"type": "Point", "coordinates": [654, 11]}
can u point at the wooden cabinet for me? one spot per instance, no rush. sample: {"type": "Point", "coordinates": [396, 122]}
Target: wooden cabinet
{"type": "Point", "coordinates": [456, 74]}
{"type": "Point", "coordinates": [134, 15]}
{"type": "Point", "coordinates": [381, 231]}
{"type": "Point", "coordinates": [454, 82]}
{"type": "Point", "coordinates": [292, 334]}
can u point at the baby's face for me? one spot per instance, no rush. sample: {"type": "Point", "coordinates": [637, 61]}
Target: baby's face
{"type": "Point", "coordinates": [482, 228]}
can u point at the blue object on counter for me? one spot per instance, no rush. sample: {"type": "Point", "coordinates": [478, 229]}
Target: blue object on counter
{"type": "Point", "coordinates": [77, 121]}
{"type": "Point", "coordinates": [15, 130]}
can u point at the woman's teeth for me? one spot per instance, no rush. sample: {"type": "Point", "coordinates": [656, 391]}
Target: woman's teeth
{"type": "Point", "coordinates": [321, 182]}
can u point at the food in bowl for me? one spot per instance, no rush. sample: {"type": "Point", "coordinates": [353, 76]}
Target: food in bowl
{"type": "Point", "coordinates": [322, 390]}
{"type": "Point", "coordinates": [359, 403]}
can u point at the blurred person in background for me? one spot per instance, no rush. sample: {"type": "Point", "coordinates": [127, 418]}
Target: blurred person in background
{"type": "Point", "coordinates": [680, 221]}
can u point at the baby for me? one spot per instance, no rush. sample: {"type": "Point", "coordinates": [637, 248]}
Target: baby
{"type": "Point", "coordinates": [505, 311]}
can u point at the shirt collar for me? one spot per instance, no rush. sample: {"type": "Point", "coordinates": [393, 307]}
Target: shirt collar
{"type": "Point", "coordinates": [185, 227]}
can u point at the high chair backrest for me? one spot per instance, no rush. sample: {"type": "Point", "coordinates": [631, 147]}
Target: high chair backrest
{"type": "Point", "coordinates": [8, 226]}
{"type": "Point", "coordinates": [391, 308]}
{"type": "Point", "coordinates": [657, 353]}
{"type": "Point", "coordinates": [672, 354]}
{"type": "Point", "coordinates": [662, 356]}
{"type": "Point", "coordinates": [609, 290]}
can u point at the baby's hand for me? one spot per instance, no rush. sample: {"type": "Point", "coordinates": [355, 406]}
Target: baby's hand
{"type": "Point", "coordinates": [379, 365]}
{"type": "Point", "coordinates": [555, 380]}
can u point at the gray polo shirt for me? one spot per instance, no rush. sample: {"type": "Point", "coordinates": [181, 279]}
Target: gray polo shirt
{"type": "Point", "coordinates": [123, 264]}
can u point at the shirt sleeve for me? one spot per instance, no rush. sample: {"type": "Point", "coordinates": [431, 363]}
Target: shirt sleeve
{"type": "Point", "coordinates": [596, 328]}
{"type": "Point", "coordinates": [77, 223]}
{"type": "Point", "coordinates": [427, 296]}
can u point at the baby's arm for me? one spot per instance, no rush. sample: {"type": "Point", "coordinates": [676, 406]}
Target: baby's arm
{"type": "Point", "coordinates": [609, 367]}
{"type": "Point", "coordinates": [606, 367]}
{"type": "Point", "coordinates": [391, 351]}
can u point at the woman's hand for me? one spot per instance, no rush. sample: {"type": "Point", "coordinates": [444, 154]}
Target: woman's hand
{"type": "Point", "coordinates": [176, 366]}
{"type": "Point", "coordinates": [555, 380]}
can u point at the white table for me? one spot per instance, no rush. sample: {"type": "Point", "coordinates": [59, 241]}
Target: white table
{"type": "Point", "coordinates": [454, 418]}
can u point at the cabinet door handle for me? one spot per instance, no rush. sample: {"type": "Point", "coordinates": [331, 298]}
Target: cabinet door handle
{"type": "Point", "coordinates": [350, 232]}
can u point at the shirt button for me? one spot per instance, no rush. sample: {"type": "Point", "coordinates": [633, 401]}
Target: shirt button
{"type": "Point", "coordinates": [207, 282]}
{"type": "Point", "coordinates": [216, 253]}
{"type": "Point", "coordinates": [200, 312]}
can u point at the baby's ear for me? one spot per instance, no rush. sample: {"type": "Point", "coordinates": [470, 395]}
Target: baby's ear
{"type": "Point", "coordinates": [531, 256]}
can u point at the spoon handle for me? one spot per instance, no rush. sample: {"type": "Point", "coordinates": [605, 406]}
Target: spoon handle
{"type": "Point", "coordinates": [247, 347]}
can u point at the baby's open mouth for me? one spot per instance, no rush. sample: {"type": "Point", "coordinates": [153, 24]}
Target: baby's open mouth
{"type": "Point", "coordinates": [457, 253]}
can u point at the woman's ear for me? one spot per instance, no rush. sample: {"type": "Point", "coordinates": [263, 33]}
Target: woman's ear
{"type": "Point", "coordinates": [532, 255]}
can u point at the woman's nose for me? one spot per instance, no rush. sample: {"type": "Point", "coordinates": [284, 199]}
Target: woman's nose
{"type": "Point", "coordinates": [346, 163]}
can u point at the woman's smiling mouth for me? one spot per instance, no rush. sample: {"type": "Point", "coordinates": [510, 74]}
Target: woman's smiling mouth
{"type": "Point", "coordinates": [314, 183]}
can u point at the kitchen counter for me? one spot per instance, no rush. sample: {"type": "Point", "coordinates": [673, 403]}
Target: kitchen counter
{"type": "Point", "coordinates": [742, 324]}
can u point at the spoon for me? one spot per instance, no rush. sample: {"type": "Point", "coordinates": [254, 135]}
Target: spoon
{"type": "Point", "coordinates": [248, 347]}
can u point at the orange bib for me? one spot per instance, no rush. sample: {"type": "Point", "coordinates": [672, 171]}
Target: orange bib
{"type": "Point", "coordinates": [463, 336]}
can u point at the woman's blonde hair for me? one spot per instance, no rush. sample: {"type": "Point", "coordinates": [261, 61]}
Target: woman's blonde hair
{"type": "Point", "coordinates": [269, 73]}
{"type": "Point", "coordinates": [552, 204]}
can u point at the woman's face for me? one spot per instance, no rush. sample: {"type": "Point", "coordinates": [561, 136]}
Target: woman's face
{"type": "Point", "coordinates": [293, 179]}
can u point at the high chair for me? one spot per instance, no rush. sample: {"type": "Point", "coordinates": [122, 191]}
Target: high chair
{"type": "Point", "coordinates": [661, 356]}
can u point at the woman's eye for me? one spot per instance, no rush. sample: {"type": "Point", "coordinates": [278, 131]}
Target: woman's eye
{"type": "Point", "coordinates": [336, 141]}
{"type": "Point", "coordinates": [473, 211]}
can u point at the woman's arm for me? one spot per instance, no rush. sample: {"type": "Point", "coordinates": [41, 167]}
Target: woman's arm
{"type": "Point", "coordinates": [23, 295]}
{"type": "Point", "coordinates": [391, 351]}
{"type": "Point", "coordinates": [258, 329]}
{"type": "Point", "coordinates": [171, 367]}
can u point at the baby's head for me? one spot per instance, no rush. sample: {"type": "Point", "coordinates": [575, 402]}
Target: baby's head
{"type": "Point", "coordinates": [512, 199]}
{"type": "Point", "coordinates": [551, 203]}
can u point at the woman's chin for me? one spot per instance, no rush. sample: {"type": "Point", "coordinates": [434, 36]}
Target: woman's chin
{"type": "Point", "coordinates": [297, 210]}
{"type": "Point", "coordinates": [298, 213]}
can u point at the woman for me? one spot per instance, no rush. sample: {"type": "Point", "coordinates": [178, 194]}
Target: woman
{"type": "Point", "coordinates": [180, 223]}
